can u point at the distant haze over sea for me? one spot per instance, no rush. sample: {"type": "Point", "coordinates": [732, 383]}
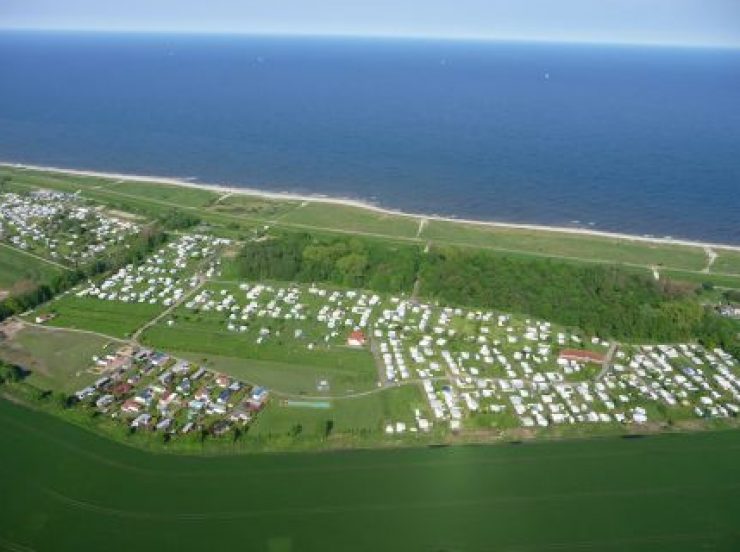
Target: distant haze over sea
{"type": "Point", "coordinates": [632, 139]}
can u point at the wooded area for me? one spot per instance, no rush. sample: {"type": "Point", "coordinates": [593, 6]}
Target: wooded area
{"type": "Point", "coordinates": [608, 301]}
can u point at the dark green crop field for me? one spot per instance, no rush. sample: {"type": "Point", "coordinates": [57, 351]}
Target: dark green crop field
{"type": "Point", "coordinates": [63, 488]}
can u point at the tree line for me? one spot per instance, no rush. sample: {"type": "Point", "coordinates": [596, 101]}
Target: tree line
{"type": "Point", "coordinates": [350, 262]}
{"type": "Point", "coordinates": [607, 301]}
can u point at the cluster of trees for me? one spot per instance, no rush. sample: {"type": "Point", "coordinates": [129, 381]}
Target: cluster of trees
{"type": "Point", "coordinates": [604, 300]}
{"type": "Point", "coordinates": [175, 219]}
{"type": "Point", "coordinates": [608, 301]}
{"type": "Point", "coordinates": [148, 239]}
{"type": "Point", "coordinates": [9, 372]}
{"type": "Point", "coordinates": [345, 261]}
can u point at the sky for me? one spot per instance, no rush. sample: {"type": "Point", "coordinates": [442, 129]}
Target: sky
{"type": "Point", "coordinates": [679, 22]}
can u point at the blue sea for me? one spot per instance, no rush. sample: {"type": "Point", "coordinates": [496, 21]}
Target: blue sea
{"type": "Point", "coordinates": [634, 139]}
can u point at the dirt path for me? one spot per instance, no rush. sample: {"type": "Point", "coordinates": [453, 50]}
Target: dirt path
{"type": "Point", "coordinates": [608, 359]}
{"type": "Point", "coordinates": [224, 196]}
{"type": "Point", "coordinates": [76, 330]}
{"type": "Point", "coordinates": [711, 257]}
{"type": "Point", "coordinates": [422, 224]}
{"type": "Point", "coordinates": [135, 336]}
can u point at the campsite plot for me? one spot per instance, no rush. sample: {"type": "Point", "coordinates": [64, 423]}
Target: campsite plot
{"type": "Point", "coordinates": [136, 294]}
{"type": "Point", "coordinates": [61, 226]}
{"type": "Point", "coordinates": [280, 332]}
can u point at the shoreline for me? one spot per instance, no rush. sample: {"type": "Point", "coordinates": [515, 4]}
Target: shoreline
{"type": "Point", "coordinates": [360, 204]}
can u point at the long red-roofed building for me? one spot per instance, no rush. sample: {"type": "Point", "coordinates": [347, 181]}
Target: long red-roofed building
{"type": "Point", "coordinates": [581, 355]}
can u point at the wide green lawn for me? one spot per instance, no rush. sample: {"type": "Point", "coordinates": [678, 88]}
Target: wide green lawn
{"type": "Point", "coordinates": [112, 318]}
{"type": "Point", "coordinates": [286, 377]}
{"type": "Point", "coordinates": [287, 364]}
{"type": "Point", "coordinates": [357, 416]}
{"type": "Point", "coordinates": [17, 266]}
{"type": "Point", "coordinates": [57, 360]}
{"type": "Point", "coordinates": [67, 489]}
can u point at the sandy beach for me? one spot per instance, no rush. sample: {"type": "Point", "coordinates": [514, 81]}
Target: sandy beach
{"type": "Point", "coordinates": [227, 189]}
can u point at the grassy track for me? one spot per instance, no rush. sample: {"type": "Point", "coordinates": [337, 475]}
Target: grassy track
{"type": "Point", "coordinates": [71, 489]}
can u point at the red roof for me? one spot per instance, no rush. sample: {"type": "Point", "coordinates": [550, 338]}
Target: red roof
{"type": "Point", "coordinates": [582, 355]}
{"type": "Point", "coordinates": [122, 389]}
{"type": "Point", "coordinates": [357, 336]}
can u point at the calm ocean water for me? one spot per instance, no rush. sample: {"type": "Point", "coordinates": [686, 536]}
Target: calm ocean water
{"type": "Point", "coordinates": [641, 140]}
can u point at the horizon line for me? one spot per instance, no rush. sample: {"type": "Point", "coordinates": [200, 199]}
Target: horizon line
{"type": "Point", "coordinates": [373, 36]}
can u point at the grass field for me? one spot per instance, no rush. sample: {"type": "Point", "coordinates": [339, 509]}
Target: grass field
{"type": "Point", "coordinates": [289, 366]}
{"type": "Point", "coordinates": [364, 416]}
{"type": "Point", "coordinates": [69, 487]}
{"type": "Point", "coordinates": [253, 206]}
{"type": "Point", "coordinates": [57, 360]}
{"type": "Point", "coordinates": [567, 245]}
{"type": "Point", "coordinates": [351, 219]}
{"type": "Point", "coordinates": [17, 266]}
{"type": "Point", "coordinates": [288, 377]}
{"type": "Point", "coordinates": [186, 197]}
{"type": "Point", "coordinates": [727, 262]}
{"type": "Point", "coordinates": [112, 318]}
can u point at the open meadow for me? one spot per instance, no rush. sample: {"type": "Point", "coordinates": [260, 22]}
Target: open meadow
{"type": "Point", "coordinates": [57, 360]}
{"type": "Point", "coordinates": [111, 318]}
{"type": "Point", "coordinates": [17, 267]}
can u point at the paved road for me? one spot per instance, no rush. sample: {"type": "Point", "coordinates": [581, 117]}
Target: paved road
{"type": "Point", "coordinates": [607, 361]}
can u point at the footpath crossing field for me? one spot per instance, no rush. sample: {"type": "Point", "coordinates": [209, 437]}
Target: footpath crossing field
{"type": "Point", "coordinates": [72, 490]}
{"type": "Point", "coordinates": [243, 211]}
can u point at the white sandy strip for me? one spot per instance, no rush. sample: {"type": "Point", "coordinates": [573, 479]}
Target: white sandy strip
{"type": "Point", "coordinates": [317, 198]}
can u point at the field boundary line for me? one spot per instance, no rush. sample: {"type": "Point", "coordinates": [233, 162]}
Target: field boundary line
{"type": "Point", "coordinates": [37, 257]}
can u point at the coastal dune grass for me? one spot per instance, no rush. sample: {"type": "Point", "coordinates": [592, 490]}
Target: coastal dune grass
{"type": "Point", "coordinates": [727, 262]}
{"type": "Point", "coordinates": [571, 246]}
{"type": "Point", "coordinates": [179, 195]}
{"type": "Point", "coordinates": [153, 197]}
{"type": "Point", "coordinates": [347, 218]}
